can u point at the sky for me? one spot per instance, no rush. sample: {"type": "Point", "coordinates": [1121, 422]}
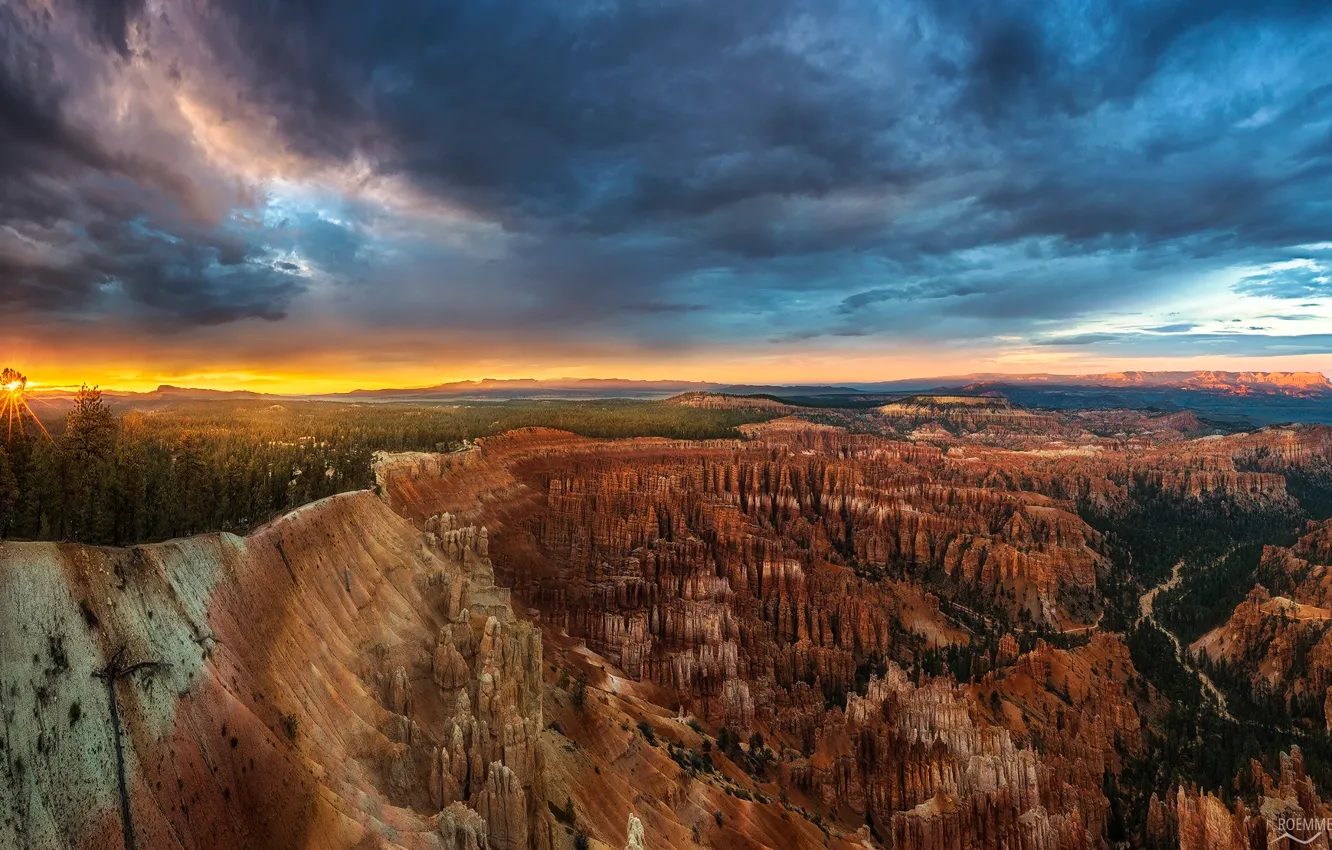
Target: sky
{"type": "Point", "coordinates": [285, 195]}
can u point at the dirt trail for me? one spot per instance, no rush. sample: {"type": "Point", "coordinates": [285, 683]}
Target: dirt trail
{"type": "Point", "coordinates": [1090, 627]}
{"type": "Point", "coordinates": [1148, 599]}
{"type": "Point", "coordinates": [1146, 607]}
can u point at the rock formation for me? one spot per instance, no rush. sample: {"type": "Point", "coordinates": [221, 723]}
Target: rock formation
{"type": "Point", "coordinates": [635, 831]}
{"type": "Point", "coordinates": [322, 683]}
{"type": "Point", "coordinates": [772, 584]}
{"type": "Point", "coordinates": [1281, 643]}
{"type": "Point", "coordinates": [811, 637]}
{"type": "Point", "coordinates": [968, 413]}
{"type": "Point", "coordinates": [1288, 813]}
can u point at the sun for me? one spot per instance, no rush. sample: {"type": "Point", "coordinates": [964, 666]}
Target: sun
{"type": "Point", "coordinates": [14, 402]}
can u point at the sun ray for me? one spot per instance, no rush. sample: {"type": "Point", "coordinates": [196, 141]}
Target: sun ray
{"type": "Point", "coordinates": [35, 420]}
{"type": "Point", "coordinates": [14, 403]}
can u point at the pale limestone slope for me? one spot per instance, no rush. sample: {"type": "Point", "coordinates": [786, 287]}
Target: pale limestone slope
{"type": "Point", "coordinates": [299, 705]}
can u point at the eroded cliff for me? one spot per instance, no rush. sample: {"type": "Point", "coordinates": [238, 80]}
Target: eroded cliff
{"type": "Point", "coordinates": [338, 679]}
{"type": "Point", "coordinates": [807, 638]}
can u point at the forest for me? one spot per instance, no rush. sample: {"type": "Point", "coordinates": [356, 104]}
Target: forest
{"type": "Point", "coordinates": [113, 476]}
{"type": "Point", "coordinates": [1191, 740]}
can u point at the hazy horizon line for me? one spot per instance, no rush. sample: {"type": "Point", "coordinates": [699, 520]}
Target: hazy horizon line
{"type": "Point", "coordinates": [257, 386]}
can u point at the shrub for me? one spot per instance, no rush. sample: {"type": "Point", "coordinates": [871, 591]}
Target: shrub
{"type": "Point", "coordinates": [649, 734]}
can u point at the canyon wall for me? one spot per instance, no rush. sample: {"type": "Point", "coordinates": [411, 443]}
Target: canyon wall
{"type": "Point", "coordinates": [545, 640]}
{"type": "Point", "coordinates": [338, 679]}
{"type": "Point", "coordinates": [1278, 642]}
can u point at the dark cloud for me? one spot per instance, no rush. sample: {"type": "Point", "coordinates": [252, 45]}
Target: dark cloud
{"type": "Point", "coordinates": [34, 134]}
{"type": "Point", "coordinates": [1022, 60]}
{"type": "Point", "coordinates": [1252, 343]}
{"type": "Point", "coordinates": [88, 229]}
{"type": "Point", "coordinates": [200, 278]}
{"type": "Point", "coordinates": [571, 115]}
{"type": "Point", "coordinates": [664, 170]}
{"type": "Point", "coordinates": [931, 290]}
{"type": "Point", "coordinates": [111, 21]}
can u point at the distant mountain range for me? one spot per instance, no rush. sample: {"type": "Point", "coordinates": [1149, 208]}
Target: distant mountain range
{"type": "Point", "coordinates": [1241, 398]}
{"type": "Point", "coordinates": [1253, 397]}
{"type": "Point", "coordinates": [533, 387]}
{"type": "Point", "coordinates": [1302, 384]}
{"type": "Point", "coordinates": [488, 388]}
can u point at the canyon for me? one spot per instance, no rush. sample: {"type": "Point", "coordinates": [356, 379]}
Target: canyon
{"type": "Point", "coordinates": [1277, 641]}
{"type": "Point", "coordinates": [900, 634]}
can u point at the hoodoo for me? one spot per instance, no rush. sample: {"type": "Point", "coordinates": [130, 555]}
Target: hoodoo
{"type": "Point", "coordinates": [807, 638]}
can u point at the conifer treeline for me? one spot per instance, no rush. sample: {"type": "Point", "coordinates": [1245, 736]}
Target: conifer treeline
{"type": "Point", "coordinates": [136, 477]}
{"type": "Point", "coordinates": [118, 478]}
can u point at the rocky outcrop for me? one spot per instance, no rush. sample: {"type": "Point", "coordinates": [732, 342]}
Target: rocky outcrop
{"type": "Point", "coordinates": [1313, 384]}
{"type": "Point", "coordinates": [762, 584]}
{"type": "Point", "coordinates": [1205, 823]}
{"type": "Point", "coordinates": [1287, 812]}
{"type": "Point", "coordinates": [503, 806]}
{"type": "Point", "coordinates": [967, 413]}
{"type": "Point", "coordinates": [461, 828]}
{"type": "Point", "coordinates": [724, 401]}
{"type": "Point", "coordinates": [1281, 643]}
{"type": "Point", "coordinates": [321, 684]}
{"type": "Point", "coordinates": [635, 834]}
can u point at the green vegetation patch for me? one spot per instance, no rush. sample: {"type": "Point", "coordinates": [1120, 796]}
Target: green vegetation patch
{"type": "Point", "coordinates": [228, 465]}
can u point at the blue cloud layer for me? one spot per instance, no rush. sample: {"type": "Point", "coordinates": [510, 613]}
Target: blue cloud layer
{"type": "Point", "coordinates": [675, 172]}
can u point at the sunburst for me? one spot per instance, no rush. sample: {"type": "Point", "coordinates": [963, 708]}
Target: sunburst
{"type": "Point", "coordinates": [14, 408]}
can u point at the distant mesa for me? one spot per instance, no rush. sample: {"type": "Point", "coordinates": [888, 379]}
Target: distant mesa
{"type": "Point", "coordinates": [1303, 384]}
{"type": "Point", "coordinates": [790, 389]}
{"type": "Point", "coordinates": [727, 401]}
{"type": "Point", "coordinates": [168, 391]}
{"type": "Point", "coordinates": [971, 412]}
{"type": "Point", "coordinates": [919, 403]}
{"type": "Point", "coordinates": [532, 387]}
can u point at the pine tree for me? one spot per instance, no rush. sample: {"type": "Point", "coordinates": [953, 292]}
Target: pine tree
{"type": "Point", "coordinates": [88, 443]}
{"type": "Point", "coordinates": [9, 493]}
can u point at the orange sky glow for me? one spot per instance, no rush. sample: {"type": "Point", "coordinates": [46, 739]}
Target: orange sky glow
{"type": "Point", "coordinates": [331, 372]}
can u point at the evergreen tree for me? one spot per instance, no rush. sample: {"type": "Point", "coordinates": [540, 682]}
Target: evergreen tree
{"type": "Point", "coordinates": [87, 444]}
{"type": "Point", "coordinates": [220, 466]}
{"type": "Point", "coordinates": [9, 493]}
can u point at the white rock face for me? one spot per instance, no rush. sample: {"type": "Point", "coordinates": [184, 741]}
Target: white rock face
{"type": "Point", "coordinates": [635, 828]}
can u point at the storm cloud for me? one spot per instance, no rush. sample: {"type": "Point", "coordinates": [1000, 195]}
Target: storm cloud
{"type": "Point", "coordinates": [673, 173]}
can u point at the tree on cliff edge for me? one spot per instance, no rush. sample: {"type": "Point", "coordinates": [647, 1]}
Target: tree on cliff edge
{"type": "Point", "coordinates": [88, 442]}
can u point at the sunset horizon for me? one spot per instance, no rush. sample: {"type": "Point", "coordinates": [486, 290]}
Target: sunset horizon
{"type": "Point", "coordinates": [791, 372]}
